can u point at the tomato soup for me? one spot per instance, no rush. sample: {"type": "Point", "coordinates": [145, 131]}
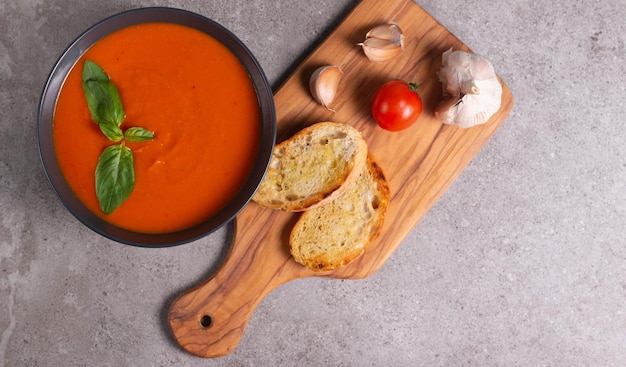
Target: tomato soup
{"type": "Point", "coordinates": [199, 101]}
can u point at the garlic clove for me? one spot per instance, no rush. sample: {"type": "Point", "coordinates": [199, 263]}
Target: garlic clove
{"type": "Point", "coordinates": [323, 84]}
{"type": "Point", "coordinates": [380, 50]}
{"type": "Point", "coordinates": [383, 42]}
{"type": "Point", "coordinates": [389, 31]}
{"type": "Point", "coordinates": [447, 110]}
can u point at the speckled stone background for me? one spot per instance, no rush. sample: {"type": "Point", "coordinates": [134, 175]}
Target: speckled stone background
{"type": "Point", "coordinates": [522, 262]}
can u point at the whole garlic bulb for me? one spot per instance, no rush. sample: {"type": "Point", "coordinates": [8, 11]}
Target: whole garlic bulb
{"type": "Point", "coordinates": [472, 92]}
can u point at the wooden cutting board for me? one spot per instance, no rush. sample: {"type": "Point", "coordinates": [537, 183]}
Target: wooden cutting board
{"type": "Point", "coordinates": [420, 163]}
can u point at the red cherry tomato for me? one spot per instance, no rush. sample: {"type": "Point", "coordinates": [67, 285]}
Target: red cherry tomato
{"type": "Point", "coordinates": [396, 105]}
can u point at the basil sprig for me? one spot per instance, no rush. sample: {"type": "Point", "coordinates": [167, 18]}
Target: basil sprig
{"type": "Point", "coordinates": [115, 172]}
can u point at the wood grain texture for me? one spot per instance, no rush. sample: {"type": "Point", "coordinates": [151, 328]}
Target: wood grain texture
{"type": "Point", "coordinates": [420, 163]}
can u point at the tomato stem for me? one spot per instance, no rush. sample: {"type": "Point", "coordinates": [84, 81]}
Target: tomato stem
{"type": "Point", "coordinates": [413, 85]}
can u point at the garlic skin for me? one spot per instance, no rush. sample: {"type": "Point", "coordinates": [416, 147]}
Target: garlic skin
{"type": "Point", "coordinates": [472, 92]}
{"type": "Point", "coordinates": [383, 42]}
{"type": "Point", "coordinates": [323, 84]}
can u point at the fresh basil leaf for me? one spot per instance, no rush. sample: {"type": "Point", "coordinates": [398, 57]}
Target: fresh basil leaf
{"type": "Point", "coordinates": [115, 177]}
{"type": "Point", "coordinates": [104, 102]}
{"type": "Point", "coordinates": [137, 134]}
{"type": "Point", "coordinates": [112, 132]}
{"type": "Point", "coordinates": [93, 71]}
{"type": "Point", "coordinates": [95, 93]}
{"type": "Point", "coordinates": [103, 98]}
{"type": "Point", "coordinates": [112, 109]}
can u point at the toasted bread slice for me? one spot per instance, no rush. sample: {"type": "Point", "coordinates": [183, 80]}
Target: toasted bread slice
{"type": "Point", "coordinates": [334, 235]}
{"type": "Point", "coordinates": [312, 167]}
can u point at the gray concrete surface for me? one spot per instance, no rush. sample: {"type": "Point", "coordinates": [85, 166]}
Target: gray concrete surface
{"type": "Point", "coordinates": [521, 263]}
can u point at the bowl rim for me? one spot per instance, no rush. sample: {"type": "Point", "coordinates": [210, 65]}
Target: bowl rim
{"type": "Point", "coordinates": [64, 65]}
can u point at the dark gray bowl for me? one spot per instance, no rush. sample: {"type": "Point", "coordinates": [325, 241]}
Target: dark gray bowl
{"type": "Point", "coordinates": [63, 67]}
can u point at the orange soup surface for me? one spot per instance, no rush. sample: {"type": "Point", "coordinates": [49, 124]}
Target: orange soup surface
{"type": "Point", "coordinates": [199, 101]}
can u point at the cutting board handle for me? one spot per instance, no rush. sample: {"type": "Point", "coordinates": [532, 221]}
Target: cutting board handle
{"type": "Point", "coordinates": [209, 320]}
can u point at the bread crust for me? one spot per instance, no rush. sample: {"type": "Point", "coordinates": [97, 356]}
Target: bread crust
{"type": "Point", "coordinates": [336, 145]}
{"type": "Point", "coordinates": [326, 238]}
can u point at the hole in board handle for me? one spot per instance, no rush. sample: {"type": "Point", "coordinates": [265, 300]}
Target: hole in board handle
{"type": "Point", "coordinates": [206, 321]}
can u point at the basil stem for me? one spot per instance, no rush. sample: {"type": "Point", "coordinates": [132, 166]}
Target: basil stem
{"type": "Point", "coordinates": [115, 177]}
